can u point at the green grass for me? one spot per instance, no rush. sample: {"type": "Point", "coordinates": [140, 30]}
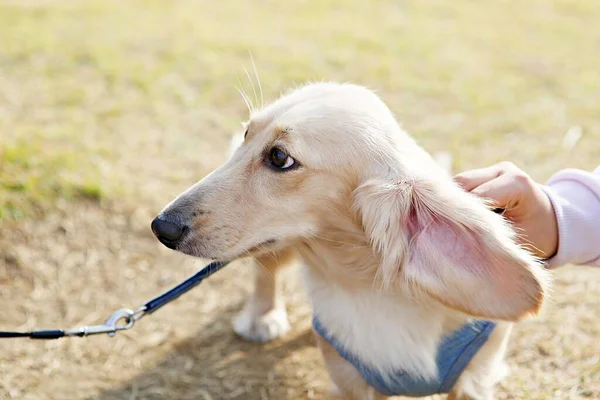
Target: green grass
{"type": "Point", "coordinates": [84, 86]}
{"type": "Point", "coordinates": [32, 177]}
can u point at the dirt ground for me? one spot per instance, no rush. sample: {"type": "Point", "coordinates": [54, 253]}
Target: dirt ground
{"type": "Point", "coordinates": [83, 262]}
{"type": "Point", "coordinates": [147, 107]}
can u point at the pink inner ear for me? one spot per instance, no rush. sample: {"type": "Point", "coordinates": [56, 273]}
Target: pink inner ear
{"type": "Point", "coordinates": [444, 251]}
{"type": "Point", "coordinates": [440, 241]}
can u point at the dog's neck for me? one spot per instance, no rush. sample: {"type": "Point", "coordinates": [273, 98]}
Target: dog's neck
{"type": "Point", "coordinates": [341, 253]}
{"type": "Point", "coordinates": [341, 279]}
{"type": "Point", "coordinates": [341, 256]}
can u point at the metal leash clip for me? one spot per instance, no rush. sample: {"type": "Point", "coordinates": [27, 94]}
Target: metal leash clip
{"type": "Point", "coordinates": [112, 325]}
{"type": "Point", "coordinates": [124, 318]}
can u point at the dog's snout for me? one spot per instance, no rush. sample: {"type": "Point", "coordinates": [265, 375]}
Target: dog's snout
{"type": "Point", "coordinates": [168, 232]}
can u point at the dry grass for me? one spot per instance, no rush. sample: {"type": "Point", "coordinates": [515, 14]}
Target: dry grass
{"type": "Point", "coordinates": [108, 109]}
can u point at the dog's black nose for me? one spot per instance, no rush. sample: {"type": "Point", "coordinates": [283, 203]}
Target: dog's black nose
{"type": "Point", "coordinates": [168, 232]}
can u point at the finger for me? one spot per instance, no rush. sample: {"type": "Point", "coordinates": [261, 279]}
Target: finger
{"type": "Point", "coordinates": [502, 191]}
{"type": "Point", "coordinates": [469, 180]}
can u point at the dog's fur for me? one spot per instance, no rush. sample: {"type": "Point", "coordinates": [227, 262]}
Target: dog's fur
{"type": "Point", "coordinates": [396, 255]}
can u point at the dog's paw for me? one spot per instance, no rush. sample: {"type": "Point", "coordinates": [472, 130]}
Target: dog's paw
{"type": "Point", "coordinates": [261, 328]}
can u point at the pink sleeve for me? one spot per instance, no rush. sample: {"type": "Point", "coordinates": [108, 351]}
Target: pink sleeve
{"type": "Point", "coordinates": [575, 196]}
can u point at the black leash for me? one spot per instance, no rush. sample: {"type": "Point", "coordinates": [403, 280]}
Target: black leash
{"type": "Point", "coordinates": [124, 318]}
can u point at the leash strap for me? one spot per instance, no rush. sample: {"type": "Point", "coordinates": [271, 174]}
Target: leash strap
{"type": "Point", "coordinates": [124, 318]}
{"type": "Point", "coordinates": [190, 283]}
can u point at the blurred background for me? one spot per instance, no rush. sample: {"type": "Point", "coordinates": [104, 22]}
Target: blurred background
{"type": "Point", "coordinates": [108, 109]}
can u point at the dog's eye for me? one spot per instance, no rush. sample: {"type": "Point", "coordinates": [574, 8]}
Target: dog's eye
{"type": "Point", "coordinates": [246, 133]}
{"type": "Point", "coordinates": [280, 159]}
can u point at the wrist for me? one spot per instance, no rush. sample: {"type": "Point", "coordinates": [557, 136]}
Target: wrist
{"type": "Point", "coordinates": [550, 230]}
{"type": "Point", "coordinates": [575, 207]}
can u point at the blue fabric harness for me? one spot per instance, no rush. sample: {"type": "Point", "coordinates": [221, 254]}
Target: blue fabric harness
{"type": "Point", "coordinates": [453, 355]}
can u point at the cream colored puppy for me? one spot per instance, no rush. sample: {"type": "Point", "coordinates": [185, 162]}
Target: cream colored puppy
{"type": "Point", "coordinates": [398, 259]}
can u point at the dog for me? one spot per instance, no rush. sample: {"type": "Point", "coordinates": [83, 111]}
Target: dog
{"type": "Point", "coordinates": [414, 283]}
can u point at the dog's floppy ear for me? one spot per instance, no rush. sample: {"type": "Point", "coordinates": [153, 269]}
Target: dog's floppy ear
{"type": "Point", "coordinates": [432, 236]}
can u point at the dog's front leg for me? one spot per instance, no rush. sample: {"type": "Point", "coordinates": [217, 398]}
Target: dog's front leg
{"type": "Point", "coordinates": [264, 317]}
{"type": "Point", "coordinates": [349, 383]}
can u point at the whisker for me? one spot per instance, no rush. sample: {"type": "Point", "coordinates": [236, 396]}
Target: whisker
{"type": "Point", "coordinates": [245, 97]}
{"type": "Point", "coordinates": [245, 101]}
{"type": "Point", "coordinates": [251, 83]}
{"type": "Point", "coordinates": [246, 252]}
{"type": "Point", "coordinates": [262, 100]}
{"type": "Point", "coordinates": [250, 101]}
{"type": "Point", "coordinates": [265, 268]}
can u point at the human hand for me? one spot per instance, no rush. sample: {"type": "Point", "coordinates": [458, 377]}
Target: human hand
{"type": "Point", "coordinates": [523, 201]}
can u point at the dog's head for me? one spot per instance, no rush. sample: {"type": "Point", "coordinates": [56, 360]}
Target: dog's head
{"type": "Point", "coordinates": [326, 151]}
{"type": "Point", "coordinates": [299, 156]}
